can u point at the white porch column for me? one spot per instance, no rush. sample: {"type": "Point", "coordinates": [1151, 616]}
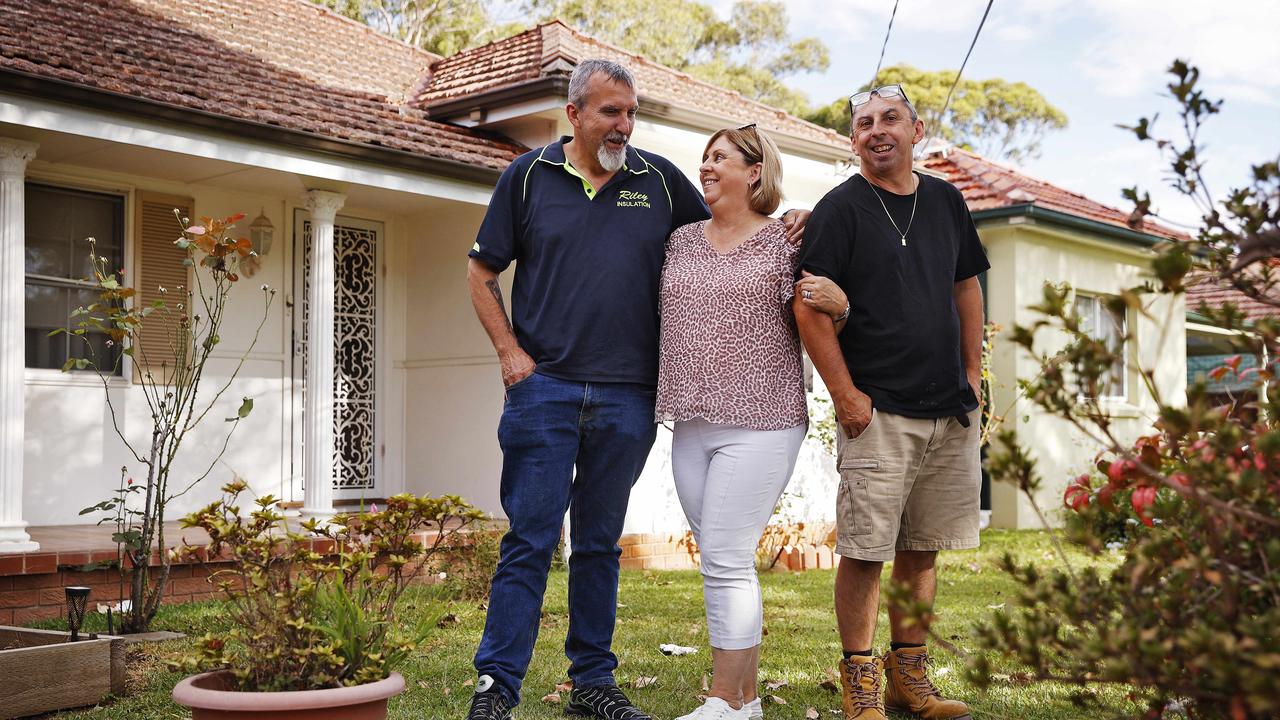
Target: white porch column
{"type": "Point", "coordinates": [14, 156]}
{"type": "Point", "coordinates": [317, 436]}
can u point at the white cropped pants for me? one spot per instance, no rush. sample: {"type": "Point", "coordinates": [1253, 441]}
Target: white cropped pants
{"type": "Point", "coordinates": [729, 479]}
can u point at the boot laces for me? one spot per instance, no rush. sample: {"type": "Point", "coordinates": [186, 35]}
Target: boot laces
{"type": "Point", "coordinates": [863, 698]}
{"type": "Point", "coordinates": [914, 672]}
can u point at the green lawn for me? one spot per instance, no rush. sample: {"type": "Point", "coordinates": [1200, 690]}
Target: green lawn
{"type": "Point", "coordinates": [801, 648]}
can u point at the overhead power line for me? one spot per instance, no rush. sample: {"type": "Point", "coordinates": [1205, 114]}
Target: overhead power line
{"type": "Point", "coordinates": [885, 44]}
{"type": "Point", "coordinates": [960, 72]}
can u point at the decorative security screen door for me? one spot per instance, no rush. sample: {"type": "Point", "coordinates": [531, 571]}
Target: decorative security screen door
{"type": "Point", "coordinates": [357, 297]}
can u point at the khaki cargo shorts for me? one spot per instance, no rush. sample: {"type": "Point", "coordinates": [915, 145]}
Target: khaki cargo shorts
{"type": "Point", "coordinates": [908, 484]}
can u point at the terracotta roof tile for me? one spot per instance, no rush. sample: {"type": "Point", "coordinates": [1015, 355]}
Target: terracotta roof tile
{"type": "Point", "coordinates": [197, 54]}
{"type": "Point", "coordinates": [1203, 289]}
{"type": "Point", "coordinates": [299, 35]}
{"type": "Point", "coordinates": [554, 49]}
{"type": "Point", "coordinates": [987, 185]}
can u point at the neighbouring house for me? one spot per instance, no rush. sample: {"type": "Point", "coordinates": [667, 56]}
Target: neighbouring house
{"type": "Point", "coordinates": [114, 112]}
{"type": "Point", "coordinates": [1034, 233]}
{"type": "Point", "coordinates": [1210, 346]}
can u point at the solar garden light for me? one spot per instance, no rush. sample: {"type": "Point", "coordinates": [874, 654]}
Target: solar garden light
{"type": "Point", "coordinates": [77, 598]}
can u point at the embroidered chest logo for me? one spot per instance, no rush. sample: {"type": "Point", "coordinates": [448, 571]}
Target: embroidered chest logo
{"type": "Point", "coordinates": [628, 198]}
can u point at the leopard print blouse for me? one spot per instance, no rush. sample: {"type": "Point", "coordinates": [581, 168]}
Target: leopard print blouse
{"type": "Point", "coordinates": [730, 353]}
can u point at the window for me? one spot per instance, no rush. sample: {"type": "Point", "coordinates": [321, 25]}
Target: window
{"type": "Point", "coordinates": [58, 221]}
{"type": "Point", "coordinates": [1109, 327]}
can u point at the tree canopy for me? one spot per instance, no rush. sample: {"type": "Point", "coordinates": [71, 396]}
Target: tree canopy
{"type": "Point", "coordinates": [993, 117]}
{"type": "Point", "coordinates": [751, 52]}
{"type": "Point", "coordinates": [440, 26]}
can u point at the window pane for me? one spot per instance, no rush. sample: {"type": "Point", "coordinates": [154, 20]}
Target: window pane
{"type": "Point", "coordinates": [1086, 308]}
{"type": "Point", "coordinates": [1115, 329]}
{"type": "Point", "coordinates": [46, 312]}
{"type": "Point", "coordinates": [59, 220]}
{"type": "Point", "coordinates": [92, 346]}
{"type": "Point", "coordinates": [1107, 326]}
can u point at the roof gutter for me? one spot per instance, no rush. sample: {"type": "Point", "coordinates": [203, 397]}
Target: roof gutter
{"type": "Point", "coordinates": [106, 100]}
{"type": "Point", "coordinates": [1061, 219]}
{"type": "Point", "coordinates": [464, 106]}
{"type": "Point", "coordinates": [474, 109]}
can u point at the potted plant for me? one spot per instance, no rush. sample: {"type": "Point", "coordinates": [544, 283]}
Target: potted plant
{"type": "Point", "coordinates": [314, 630]}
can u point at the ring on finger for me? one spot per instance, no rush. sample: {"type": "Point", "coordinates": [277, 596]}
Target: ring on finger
{"type": "Point", "coordinates": [808, 294]}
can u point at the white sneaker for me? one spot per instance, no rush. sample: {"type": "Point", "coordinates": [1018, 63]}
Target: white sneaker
{"type": "Point", "coordinates": [755, 711]}
{"type": "Point", "coordinates": [716, 709]}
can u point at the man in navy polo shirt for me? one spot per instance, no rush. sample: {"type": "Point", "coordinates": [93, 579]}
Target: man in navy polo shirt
{"type": "Point", "coordinates": [586, 218]}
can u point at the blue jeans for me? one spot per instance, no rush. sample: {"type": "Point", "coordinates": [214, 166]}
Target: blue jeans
{"type": "Point", "coordinates": [548, 427]}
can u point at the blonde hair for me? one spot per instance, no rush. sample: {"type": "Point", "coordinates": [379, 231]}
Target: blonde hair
{"type": "Point", "coordinates": [756, 147]}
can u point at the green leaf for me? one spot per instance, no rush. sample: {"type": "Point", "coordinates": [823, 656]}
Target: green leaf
{"type": "Point", "coordinates": [246, 407]}
{"type": "Point", "coordinates": [70, 363]}
{"type": "Point", "coordinates": [128, 538]}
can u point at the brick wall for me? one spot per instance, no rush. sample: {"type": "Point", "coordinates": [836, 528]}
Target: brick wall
{"type": "Point", "coordinates": [655, 552]}
{"type": "Point", "coordinates": [34, 596]}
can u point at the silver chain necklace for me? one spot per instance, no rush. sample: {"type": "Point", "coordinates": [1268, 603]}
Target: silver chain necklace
{"type": "Point", "coordinates": [902, 234]}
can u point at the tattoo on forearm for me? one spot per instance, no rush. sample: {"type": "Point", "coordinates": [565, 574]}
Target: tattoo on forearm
{"type": "Point", "coordinates": [496, 289]}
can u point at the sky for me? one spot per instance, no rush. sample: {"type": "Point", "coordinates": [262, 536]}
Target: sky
{"type": "Point", "coordinates": [1102, 62]}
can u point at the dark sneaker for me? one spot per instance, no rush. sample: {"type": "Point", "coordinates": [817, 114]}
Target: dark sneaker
{"type": "Point", "coordinates": [605, 702]}
{"type": "Point", "coordinates": [488, 704]}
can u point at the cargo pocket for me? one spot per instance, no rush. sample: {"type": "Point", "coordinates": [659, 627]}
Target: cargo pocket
{"type": "Point", "coordinates": [854, 497]}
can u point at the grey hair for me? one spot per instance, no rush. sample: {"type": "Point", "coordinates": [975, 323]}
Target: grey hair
{"type": "Point", "coordinates": [585, 69]}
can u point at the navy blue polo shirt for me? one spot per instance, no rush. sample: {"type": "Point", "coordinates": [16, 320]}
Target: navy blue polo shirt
{"type": "Point", "coordinates": [585, 299]}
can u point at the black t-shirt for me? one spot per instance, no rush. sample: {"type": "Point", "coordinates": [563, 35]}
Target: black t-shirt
{"type": "Point", "coordinates": [902, 340]}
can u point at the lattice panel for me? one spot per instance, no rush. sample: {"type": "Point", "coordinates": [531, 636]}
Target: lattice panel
{"type": "Point", "coordinates": [354, 371]}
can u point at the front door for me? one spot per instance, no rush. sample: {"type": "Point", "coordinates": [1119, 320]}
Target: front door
{"type": "Point", "coordinates": [357, 295]}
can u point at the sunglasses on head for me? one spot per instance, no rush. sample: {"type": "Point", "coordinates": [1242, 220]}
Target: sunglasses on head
{"type": "Point", "coordinates": [887, 92]}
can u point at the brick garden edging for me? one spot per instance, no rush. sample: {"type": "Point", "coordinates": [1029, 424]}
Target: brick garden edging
{"type": "Point", "coordinates": [669, 552]}
{"type": "Point", "coordinates": [31, 584]}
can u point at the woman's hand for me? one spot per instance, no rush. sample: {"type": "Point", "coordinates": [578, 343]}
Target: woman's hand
{"type": "Point", "coordinates": [821, 294]}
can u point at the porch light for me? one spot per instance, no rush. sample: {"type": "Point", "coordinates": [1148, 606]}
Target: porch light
{"type": "Point", "coordinates": [77, 599]}
{"type": "Point", "coordinates": [261, 232]}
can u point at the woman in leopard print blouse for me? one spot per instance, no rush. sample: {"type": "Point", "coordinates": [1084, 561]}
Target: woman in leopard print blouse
{"type": "Point", "coordinates": [730, 378]}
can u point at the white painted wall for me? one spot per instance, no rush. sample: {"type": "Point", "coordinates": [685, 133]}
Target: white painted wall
{"type": "Point", "coordinates": [73, 457]}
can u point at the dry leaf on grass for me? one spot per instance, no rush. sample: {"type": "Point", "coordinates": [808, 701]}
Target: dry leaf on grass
{"type": "Point", "coordinates": [565, 686]}
{"type": "Point", "coordinates": [469, 683]}
{"type": "Point", "coordinates": [811, 714]}
{"type": "Point", "coordinates": [644, 681]}
{"type": "Point", "coordinates": [830, 686]}
{"type": "Point", "coordinates": [777, 700]}
{"type": "Point", "coordinates": [706, 683]}
{"type": "Point", "coordinates": [775, 684]}
{"type": "Point", "coordinates": [551, 698]}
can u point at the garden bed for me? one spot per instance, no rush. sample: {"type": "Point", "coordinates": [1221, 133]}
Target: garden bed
{"type": "Point", "coordinates": [44, 671]}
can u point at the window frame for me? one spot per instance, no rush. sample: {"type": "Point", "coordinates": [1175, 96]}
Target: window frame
{"type": "Point", "coordinates": [1094, 323]}
{"type": "Point", "coordinates": [61, 181]}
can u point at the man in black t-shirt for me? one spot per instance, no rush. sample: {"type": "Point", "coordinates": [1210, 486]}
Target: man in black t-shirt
{"type": "Point", "coordinates": [904, 376]}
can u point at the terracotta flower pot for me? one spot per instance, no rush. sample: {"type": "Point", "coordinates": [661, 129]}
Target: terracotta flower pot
{"type": "Point", "coordinates": [210, 698]}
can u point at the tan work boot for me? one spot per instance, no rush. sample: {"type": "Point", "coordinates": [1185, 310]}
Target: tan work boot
{"type": "Point", "coordinates": [860, 685]}
{"type": "Point", "coordinates": [910, 690]}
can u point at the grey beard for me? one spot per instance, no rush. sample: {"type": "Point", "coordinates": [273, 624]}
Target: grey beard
{"type": "Point", "coordinates": [611, 161]}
